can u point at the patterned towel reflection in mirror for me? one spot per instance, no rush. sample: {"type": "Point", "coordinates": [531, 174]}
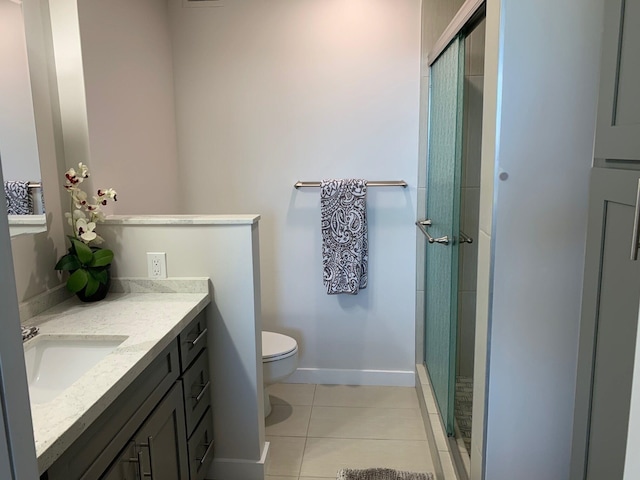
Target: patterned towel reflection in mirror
{"type": "Point", "coordinates": [19, 201]}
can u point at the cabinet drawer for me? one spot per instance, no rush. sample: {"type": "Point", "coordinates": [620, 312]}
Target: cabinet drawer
{"type": "Point", "coordinates": [201, 448]}
{"type": "Point", "coordinates": [197, 390]}
{"type": "Point", "coordinates": [193, 340]}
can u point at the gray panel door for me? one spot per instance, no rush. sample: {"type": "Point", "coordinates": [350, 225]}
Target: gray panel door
{"type": "Point", "coordinates": [618, 129]}
{"type": "Point", "coordinates": [126, 466]}
{"type": "Point", "coordinates": [162, 440]}
{"type": "Point", "coordinates": [611, 298]}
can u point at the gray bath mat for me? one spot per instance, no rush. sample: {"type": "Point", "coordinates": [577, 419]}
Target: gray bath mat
{"type": "Point", "coordinates": [381, 474]}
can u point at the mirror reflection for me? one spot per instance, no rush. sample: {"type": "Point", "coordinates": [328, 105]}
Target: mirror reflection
{"type": "Point", "coordinates": [18, 143]}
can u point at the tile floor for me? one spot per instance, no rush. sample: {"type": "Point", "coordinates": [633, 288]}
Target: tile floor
{"type": "Point", "coordinates": [315, 430]}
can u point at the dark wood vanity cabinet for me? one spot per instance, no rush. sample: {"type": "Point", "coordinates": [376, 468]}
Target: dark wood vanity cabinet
{"type": "Point", "coordinates": [160, 428]}
{"type": "Point", "coordinates": [158, 450]}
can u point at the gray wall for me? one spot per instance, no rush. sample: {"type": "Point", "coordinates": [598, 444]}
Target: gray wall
{"type": "Point", "coordinates": [268, 93]}
{"type": "Point", "coordinates": [546, 80]}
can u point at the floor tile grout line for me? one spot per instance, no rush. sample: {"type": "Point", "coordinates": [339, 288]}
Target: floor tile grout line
{"type": "Point", "coordinates": [365, 438]}
{"type": "Point", "coordinates": [304, 450]}
{"type": "Point", "coordinates": [306, 437]}
{"type": "Point", "coordinates": [417, 409]}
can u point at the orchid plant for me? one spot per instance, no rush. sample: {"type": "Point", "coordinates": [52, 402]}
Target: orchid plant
{"type": "Point", "coordinates": [87, 263]}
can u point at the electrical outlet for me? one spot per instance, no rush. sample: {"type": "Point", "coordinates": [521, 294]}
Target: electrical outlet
{"type": "Point", "coordinates": [157, 264]}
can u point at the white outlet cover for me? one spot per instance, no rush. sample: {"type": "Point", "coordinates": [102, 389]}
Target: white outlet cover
{"type": "Point", "coordinates": [157, 264]}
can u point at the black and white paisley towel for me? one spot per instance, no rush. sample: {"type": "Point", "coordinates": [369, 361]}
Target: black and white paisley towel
{"type": "Point", "coordinates": [381, 474]}
{"type": "Point", "coordinates": [18, 198]}
{"type": "Point", "coordinates": [28, 332]}
{"type": "Point", "coordinates": [345, 246]}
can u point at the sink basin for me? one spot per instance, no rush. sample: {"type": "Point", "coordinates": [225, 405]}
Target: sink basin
{"type": "Point", "coordinates": [54, 362]}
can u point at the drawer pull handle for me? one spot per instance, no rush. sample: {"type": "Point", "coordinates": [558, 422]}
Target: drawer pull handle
{"type": "Point", "coordinates": [205, 387]}
{"type": "Point", "coordinates": [206, 454]}
{"type": "Point", "coordinates": [148, 445]}
{"type": "Point", "coordinates": [141, 472]}
{"type": "Point", "coordinates": [198, 338]}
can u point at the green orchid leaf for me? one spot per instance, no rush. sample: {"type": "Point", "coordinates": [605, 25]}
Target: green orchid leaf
{"type": "Point", "coordinates": [100, 275]}
{"type": "Point", "coordinates": [92, 286]}
{"type": "Point", "coordinates": [85, 255]}
{"type": "Point", "coordinates": [102, 258]}
{"type": "Point", "coordinates": [68, 262]}
{"type": "Point", "coordinates": [77, 280]}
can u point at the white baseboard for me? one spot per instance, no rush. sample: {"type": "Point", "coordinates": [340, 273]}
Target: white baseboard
{"type": "Point", "coordinates": [335, 376]}
{"type": "Point", "coordinates": [239, 469]}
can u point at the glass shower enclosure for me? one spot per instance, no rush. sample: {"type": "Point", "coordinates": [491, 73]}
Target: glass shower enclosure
{"type": "Point", "coordinates": [442, 224]}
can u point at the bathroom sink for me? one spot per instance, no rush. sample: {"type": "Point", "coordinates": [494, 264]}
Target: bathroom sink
{"type": "Point", "coordinates": [55, 362]}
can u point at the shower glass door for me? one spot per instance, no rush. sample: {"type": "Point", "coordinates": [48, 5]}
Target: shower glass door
{"type": "Point", "coordinates": [443, 224]}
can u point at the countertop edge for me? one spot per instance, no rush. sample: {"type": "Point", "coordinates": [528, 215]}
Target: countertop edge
{"type": "Point", "coordinates": [241, 219]}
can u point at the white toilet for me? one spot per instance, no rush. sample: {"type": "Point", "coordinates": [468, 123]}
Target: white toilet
{"type": "Point", "coordinates": [279, 360]}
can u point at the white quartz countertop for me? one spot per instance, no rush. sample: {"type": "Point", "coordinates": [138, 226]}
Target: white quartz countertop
{"type": "Point", "coordinates": [150, 321]}
{"type": "Point", "coordinates": [241, 219]}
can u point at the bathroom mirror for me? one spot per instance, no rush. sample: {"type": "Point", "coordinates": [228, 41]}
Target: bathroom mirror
{"type": "Point", "coordinates": [18, 141]}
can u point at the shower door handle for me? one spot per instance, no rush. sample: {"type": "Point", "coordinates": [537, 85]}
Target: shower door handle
{"type": "Point", "coordinates": [426, 223]}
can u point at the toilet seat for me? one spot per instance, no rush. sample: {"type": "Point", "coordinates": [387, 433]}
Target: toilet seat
{"type": "Point", "coordinates": [276, 346]}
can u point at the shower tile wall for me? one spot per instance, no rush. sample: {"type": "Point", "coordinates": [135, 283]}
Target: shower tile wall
{"type": "Point", "coordinates": [470, 201]}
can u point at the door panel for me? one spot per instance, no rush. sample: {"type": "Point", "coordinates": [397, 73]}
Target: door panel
{"type": "Point", "coordinates": [618, 130]}
{"type": "Point", "coordinates": [443, 210]}
{"type": "Point", "coordinates": [610, 299]}
{"type": "Point", "coordinates": [126, 466]}
{"type": "Point", "coordinates": [161, 440]}
{"type": "Point", "coordinates": [615, 347]}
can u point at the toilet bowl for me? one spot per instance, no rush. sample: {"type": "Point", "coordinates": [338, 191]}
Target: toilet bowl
{"type": "Point", "coordinates": [279, 360]}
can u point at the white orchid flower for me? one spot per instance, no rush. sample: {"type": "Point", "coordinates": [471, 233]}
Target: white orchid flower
{"type": "Point", "coordinates": [98, 216]}
{"type": "Point", "coordinates": [72, 217]}
{"type": "Point", "coordinates": [111, 193]}
{"type": "Point", "coordinates": [103, 195]}
{"type": "Point", "coordinates": [85, 230]}
{"type": "Point", "coordinates": [98, 240]}
{"type": "Point", "coordinates": [83, 170]}
{"type": "Point", "coordinates": [79, 198]}
{"type": "Point", "coordinates": [84, 215]}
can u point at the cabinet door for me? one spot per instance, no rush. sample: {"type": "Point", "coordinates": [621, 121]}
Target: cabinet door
{"type": "Point", "coordinates": [125, 467]}
{"type": "Point", "coordinates": [161, 441]}
{"type": "Point", "coordinates": [611, 297]}
{"type": "Point", "coordinates": [618, 129]}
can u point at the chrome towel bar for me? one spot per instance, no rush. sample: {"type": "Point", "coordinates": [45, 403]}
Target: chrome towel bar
{"type": "Point", "coordinates": [375, 183]}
